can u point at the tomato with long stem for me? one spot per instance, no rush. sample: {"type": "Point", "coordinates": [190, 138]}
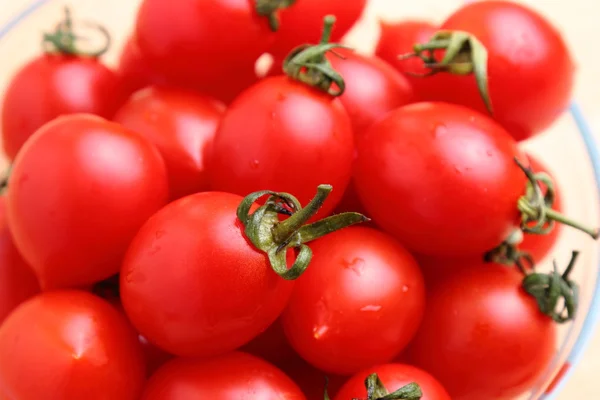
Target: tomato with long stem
{"type": "Point", "coordinates": [69, 345]}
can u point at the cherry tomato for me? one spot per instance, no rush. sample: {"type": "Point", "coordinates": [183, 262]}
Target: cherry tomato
{"type": "Point", "coordinates": [483, 336]}
{"type": "Point", "coordinates": [539, 246]}
{"type": "Point", "coordinates": [69, 345]}
{"type": "Point", "coordinates": [178, 40]}
{"type": "Point", "coordinates": [236, 375]}
{"type": "Point", "coordinates": [394, 376]}
{"type": "Point", "coordinates": [286, 136]}
{"type": "Point", "coordinates": [79, 191]}
{"type": "Point", "coordinates": [441, 178]}
{"type": "Point", "coordinates": [182, 125]}
{"type": "Point", "coordinates": [233, 296]}
{"type": "Point", "coordinates": [134, 70]}
{"type": "Point", "coordinates": [530, 69]}
{"type": "Point", "coordinates": [359, 303]}
{"type": "Point", "coordinates": [302, 22]}
{"type": "Point", "coordinates": [52, 85]}
{"type": "Point", "coordinates": [17, 281]}
{"type": "Point", "coordinates": [397, 39]}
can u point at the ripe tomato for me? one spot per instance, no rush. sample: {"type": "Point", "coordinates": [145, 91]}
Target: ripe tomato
{"type": "Point", "coordinates": [359, 303]}
{"type": "Point", "coordinates": [286, 136]}
{"type": "Point", "coordinates": [182, 125]}
{"type": "Point", "coordinates": [69, 345]}
{"type": "Point", "coordinates": [99, 183]}
{"type": "Point", "coordinates": [530, 70]}
{"type": "Point", "coordinates": [236, 375]}
{"type": "Point", "coordinates": [17, 281]}
{"type": "Point", "coordinates": [134, 70]}
{"type": "Point", "coordinates": [302, 22]}
{"type": "Point", "coordinates": [539, 246]}
{"type": "Point", "coordinates": [52, 85]}
{"type": "Point", "coordinates": [178, 41]}
{"type": "Point", "coordinates": [441, 178]}
{"type": "Point", "coordinates": [394, 376]}
{"type": "Point", "coordinates": [234, 293]}
{"type": "Point", "coordinates": [398, 39]}
{"type": "Point", "coordinates": [495, 342]}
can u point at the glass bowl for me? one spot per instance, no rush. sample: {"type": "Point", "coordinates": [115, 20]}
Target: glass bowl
{"type": "Point", "coordinates": [568, 148]}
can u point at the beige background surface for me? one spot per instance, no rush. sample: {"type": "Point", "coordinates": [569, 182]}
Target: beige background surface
{"type": "Point", "coordinates": [578, 19]}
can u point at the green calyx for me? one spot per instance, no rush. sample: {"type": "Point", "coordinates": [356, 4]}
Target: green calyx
{"type": "Point", "coordinates": [64, 40]}
{"type": "Point", "coordinates": [269, 9]}
{"type": "Point", "coordinates": [537, 215]}
{"type": "Point", "coordinates": [377, 391]}
{"type": "Point", "coordinates": [309, 64]}
{"type": "Point", "coordinates": [549, 289]}
{"type": "Point", "coordinates": [274, 237]}
{"type": "Point", "coordinates": [508, 253]}
{"type": "Point", "coordinates": [464, 55]}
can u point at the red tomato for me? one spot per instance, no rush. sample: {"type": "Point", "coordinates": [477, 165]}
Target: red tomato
{"type": "Point", "coordinates": [69, 345]}
{"type": "Point", "coordinates": [17, 281]}
{"type": "Point", "coordinates": [286, 136]}
{"type": "Point", "coordinates": [182, 125]}
{"type": "Point", "coordinates": [179, 41]}
{"type": "Point", "coordinates": [394, 376]}
{"type": "Point", "coordinates": [373, 88]}
{"type": "Point", "coordinates": [233, 296]}
{"type": "Point", "coordinates": [236, 375]}
{"type": "Point", "coordinates": [99, 183]}
{"type": "Point", "coordinates": [398, 39]}
{"type": "Point", "coordinates": [530, 69]}
{"type": "Point", "coordinates": [539, 246]}
{"type": "Point", "coordinates": [154, 357]}
{"type": "Point", "coordinates": [483, 336]}
{"type": "Point", "coordinates": [134, 70]}
{"type": "Point", "coordinates": [53, 85]}
{"type": "Point", "coordinates": [441, 178]}
{"type": "Point", "coordinates": [359, 303]}
{"type": "Point", "coordinates": [303, 21]}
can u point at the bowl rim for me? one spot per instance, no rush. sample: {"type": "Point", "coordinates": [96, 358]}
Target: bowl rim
{"type": "Point", "coordinates": [590, 322]}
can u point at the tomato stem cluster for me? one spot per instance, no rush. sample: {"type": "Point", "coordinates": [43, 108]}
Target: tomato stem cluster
{"type": "Point", "coordinates": [464, 55]}
{"type": "Point", "coordinates": [309, 64]}
{"type": "Point", "coordinates": [549, 288]}
{"type": "Point", "coordinates": [264, 229]}
{"type": "Point", "coordinates": [377, 391]}
{"type": "Point", "coordinates": [269, 9]}
{"type": "Point", "coordinates": [64, 40]}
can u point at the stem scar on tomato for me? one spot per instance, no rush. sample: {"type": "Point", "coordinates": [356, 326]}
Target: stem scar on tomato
{"type": "Point", "coordinates": [274, 237]}
{"type": "Point", "coordinates": [549, 288]}
{"type": "Point", "coordinates": [464, 55]}
{"type": "Point", "coordinates": [308, 64]}
{"type": "Point", "coordinates": [64, 40]}
{"type": "Point", "coordinates": [269, 9]}
{"type": "Point", "coordinates": [376, 390]}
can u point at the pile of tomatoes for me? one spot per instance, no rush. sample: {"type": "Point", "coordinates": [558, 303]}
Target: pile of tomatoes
{"type": "Point", "coordinates": [339, 225]}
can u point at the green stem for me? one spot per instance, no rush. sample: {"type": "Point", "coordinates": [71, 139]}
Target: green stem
{"type": "Point", "coordinates": [554, 215]}
{"type": "Point", "coordinates": [377, 391]}
{"type": "Point", "coordinates": [328, 23]}
{"type": "Point", "coordinates": [270, 8]}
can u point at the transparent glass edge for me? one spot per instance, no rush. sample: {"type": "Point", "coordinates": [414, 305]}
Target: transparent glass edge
{"type": "Point", "coordinates": [14, 21]}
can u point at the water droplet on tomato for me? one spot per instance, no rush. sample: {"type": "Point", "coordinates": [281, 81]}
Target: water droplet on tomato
{"type": "Point", "coordinates": [160, 233]}
{"type": "Point", "coordinates": [440, 130]}
{"type": "Point", "coordinates": [356, 264]}
{"type": "Point", "coordinates": [372, 308]}
{"type": "Point", "coordinates": [319, 331]}
{"type": "Point", "coordinates": [254, 164]}
{"type": "Point", "coordinates": [404, 288]}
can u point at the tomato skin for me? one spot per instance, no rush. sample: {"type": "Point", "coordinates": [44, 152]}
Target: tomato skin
{"type": "Point", "coordinates": [359, 303]}
{"type": "Point", "coordinates": [182, 125]}
{"type": "Point", "coordinates": [81, 348]}
{"type": "Point", "coordinates": [373, 88]}
{"type": "Point", "coordinates": [134, 70]}
{"type": "Point", "coordinates": [530, 69]}
{"type": "Point", "coordinates": [394, 376]}
{"type": "Point", "coordinates": [17, 281]}
{"type": "Point", "coordinates": [236, 375]}
{"type": "Point", "coordinates": [284, 136]}
{"type": "Point", "coordinates": [224, 306]}
{"type": "Point", "coordinates": [302, 23]}
{"type": "Point", "coordinates": [99, 183]}
{"type": "Point", "coordinates": [495, 342]}
{"type": "Point", "coordinates": [179, 42]}
{"type": "Point", "coordinates": [52, 85]}
{"type": "Point", "coordinates": [431, 173]}
{"type": "Point", "coordinates": [398, 39]}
